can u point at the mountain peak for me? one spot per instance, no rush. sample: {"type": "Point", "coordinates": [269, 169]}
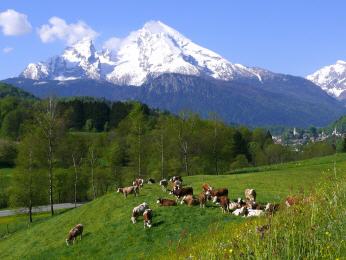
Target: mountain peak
{"type": "Point", "coordinates": [331, 79]}
{"type": "Point", "coordinates": [153, 50]}
{"type": "Point", "coordinates": [157, 27]}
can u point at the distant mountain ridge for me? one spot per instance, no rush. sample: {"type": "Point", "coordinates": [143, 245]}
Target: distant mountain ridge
{"type": "Point", "coordinates": [331, 79]}
{"type": "Point", "coordinates": [162, 68]}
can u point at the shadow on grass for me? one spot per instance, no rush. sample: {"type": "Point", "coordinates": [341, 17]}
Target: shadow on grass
{"type": "Point", "coordinates": [156, 224]}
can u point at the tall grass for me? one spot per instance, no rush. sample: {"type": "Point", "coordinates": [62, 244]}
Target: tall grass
{"type": "Point", "coordinates": [313, 229]}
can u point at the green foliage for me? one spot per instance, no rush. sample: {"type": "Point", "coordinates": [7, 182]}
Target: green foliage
{"type": "Point", "coordinates": [8, 153]}
{"type": "Point", "coordinates": [239, 162]}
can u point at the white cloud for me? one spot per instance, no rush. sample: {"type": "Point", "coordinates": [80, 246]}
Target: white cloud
{"type": "Point", "coordinates": [7, 50]}
{"type": "Point", "coordinates": [58, 29]}
{"type": "Point", "coordinates": [14, 23]}
{"type": "Point", "coordinates": [113, 44]}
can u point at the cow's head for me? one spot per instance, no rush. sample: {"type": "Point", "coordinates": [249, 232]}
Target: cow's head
{"type": "Point", "coordinates": [133, 219]}
{"type": "Point", "coordinates": [158, 200]}
{"type": "Point", "coordinates": [120, 190]}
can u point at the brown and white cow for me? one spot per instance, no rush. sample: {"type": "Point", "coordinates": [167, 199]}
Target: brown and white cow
{"type": "Point", "coordinates": [223, 201]}
{"type": "Point", "coordinates": [206, 187]}
{"type": "Point", "coordinates": [214, 193]}
{"type": "Point", "coordinates": [147, 218]}
{"type": "Point", "coordinates": [74, 233]}
{"type": "Point", "coordinates": [138, 182]}
{"type": "Point", "coordinates": [190, 200]}
{"type": "Point", "coordinates": [202, 199]}
{"type": "Point", "coordinates": [129, 190]}
{"type": "Point", "coordinates": [176, 178]}
{"type": "Point", "coordinates": [139, 210]}
{"type": "Point", "coordinates": [250, 195]}
{"type": "Point", "coordinates": [166, 202]}
{"type": "Point", "coordinates": [271, 208]}
{"type": "Point", "coordinates": [181, 192]}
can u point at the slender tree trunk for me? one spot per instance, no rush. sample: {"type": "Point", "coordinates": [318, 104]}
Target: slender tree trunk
{"type": "Point", "coordinates": [139, 151]}
{"type": "Point", "coordinates": [216, 159]}
{"type": "Point", "coordinates": [50, 168]}
{"type": "Point", "coordinates": [30, 212]}
{"type": "Point", "coordinates": [186, 161]}
{"type": "Point", "coordinates": [75, 180]}
{"type": "Point", "coordinates": [162, 158]}
{"type": "Point", "coordinates": [30, 186]}
{"type": "Point", "coordinates": [92, 162]}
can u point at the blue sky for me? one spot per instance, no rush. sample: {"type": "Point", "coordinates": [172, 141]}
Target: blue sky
{"type": "Point", "coordinates": [293, 36]}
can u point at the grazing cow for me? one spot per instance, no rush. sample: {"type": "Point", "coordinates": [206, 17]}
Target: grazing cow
{"type": "Point", "coordinates": [217, 193]}
{"type": "Point", "coordinates": [139, 210]}
{"type": "Point", "coordinates": [255, 213]}
{"type": "Point", "coordinates": [177, 184]}
{"type": "Point", "coordinates": [129, 190]}
{"type": "Point", "coordinates": [164, 183]}
{"type": "Point", "coordinates": [206, 187]}
{"type": "Point", "coordinates": [74, 233]}
{"type": "Point", "coordinates": [176, 178]}
{"type": "Point", "coordinates": [147, 218]}
{"type": "Point", "coordinates": [138, 182]}
{"type": "Point", "coordinates": [202, 199]}
{"type": "Point", "coordinates": [240, 212]}
{"type": "Point", "coordinates": [250, 195]}
{"type": "Point", "coordinates": [151, 181]}
{"type": "Point", "coordinates": [166, 202]}
{"type": "Point", "coordinates": [223, 201]}
{"type": "Point", "coordinates": [190, 200]}
{"type": "Point", "coordinates": [181, 192]}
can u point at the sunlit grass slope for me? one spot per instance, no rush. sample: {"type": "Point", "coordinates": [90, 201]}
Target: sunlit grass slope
{"type": "Point", "coordinates": [109, 234]}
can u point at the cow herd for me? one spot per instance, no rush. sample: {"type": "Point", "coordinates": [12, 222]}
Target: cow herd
{"type": "Point", "coordinates": [247, 207]}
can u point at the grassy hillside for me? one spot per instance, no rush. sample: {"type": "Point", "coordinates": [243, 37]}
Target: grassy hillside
{"type": "Point", "coordinates": [109, 233]}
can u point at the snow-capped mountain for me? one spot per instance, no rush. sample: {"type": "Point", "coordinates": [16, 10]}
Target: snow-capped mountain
{"type": "Point", "coordinates": [331, 79]}
{"type": "Point", "coordinates": [149, 52]}
{"type": "Point", "coordinates": [173, 73]}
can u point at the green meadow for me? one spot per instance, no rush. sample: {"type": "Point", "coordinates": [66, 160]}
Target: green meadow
{"type": "Point", "coordinates": [109, 234]}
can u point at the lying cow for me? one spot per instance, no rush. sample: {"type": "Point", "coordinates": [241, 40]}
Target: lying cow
{"type": "Point", "coordinates": [74, 233]}
{"type": "Point", "coordinates": [223, 201]}
{"type": "Point", "coordinates": [240, 212]}
{"type": "Point", "coordinates": [164, 183]}
{"type": "Point", "coordinates": [166, 202]}
{"type": "Point", "coordinates": [181, 192]}
{"type": "Point", "coordinates": [139, 210]}
{"type": "Point", "coordinates": [138, 182]}
{"type": "Point", "coordinates": [255, 213]}
{"type": "Point", "coordinates": [147, 218]}
{"type": "Point", "coordinates": [271, 208]}
{"type": "Point", "coordinates": [250, 195]}
{"type": "Point", "coordinates": [151, 181]}
{"type": "Point", "coordinates": [190, 200]}
{"type": "Point", "coordinates": [129, 190]}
